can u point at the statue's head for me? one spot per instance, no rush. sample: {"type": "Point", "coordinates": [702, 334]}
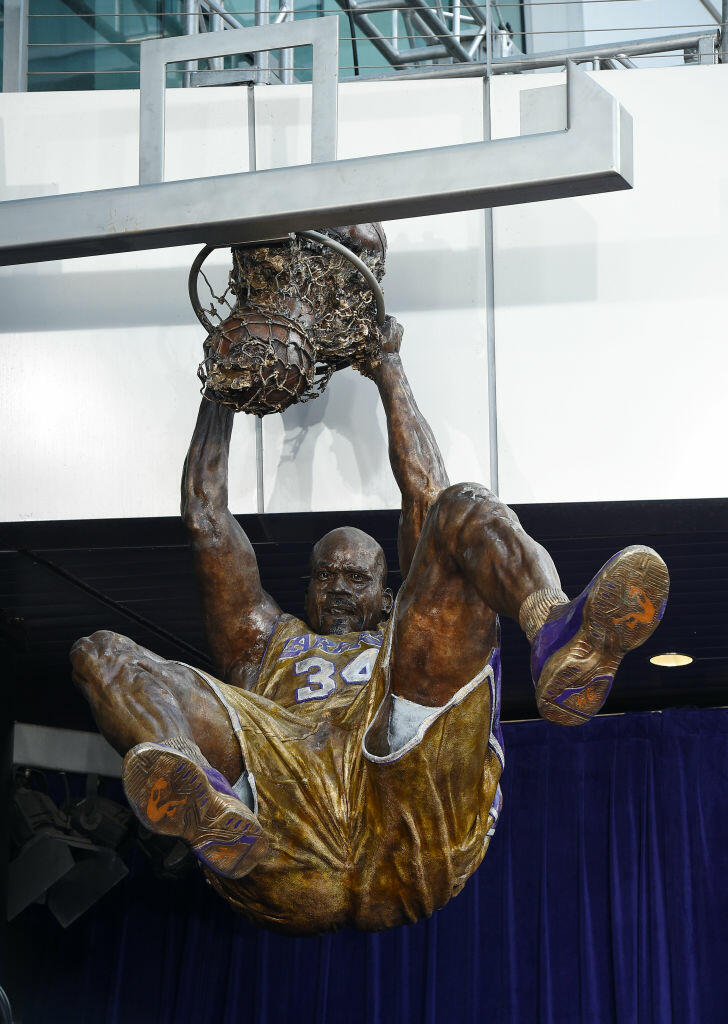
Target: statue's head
{"type": "Point", "coordinates": [348, 589]}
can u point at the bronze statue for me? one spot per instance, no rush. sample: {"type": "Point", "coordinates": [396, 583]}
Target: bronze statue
{"type": "Point", "coordinates": [344, 771]}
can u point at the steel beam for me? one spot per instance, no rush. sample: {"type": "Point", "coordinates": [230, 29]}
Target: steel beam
{"type": "Point", "coordinates": [548, 59]}
{"type": "Point", "coordinates": [593, 154]}
{"type": "Point", "coordinates": [711, 9]}
{"type": "Point", "coordinates": [439, 30]}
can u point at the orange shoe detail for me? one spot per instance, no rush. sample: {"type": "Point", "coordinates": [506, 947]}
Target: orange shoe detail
{"type": "Point", "coordinates": [157, 811]}
{"type": "Point", "coordinates": [646, 611]}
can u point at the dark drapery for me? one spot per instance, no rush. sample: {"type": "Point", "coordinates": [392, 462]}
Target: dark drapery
{"type": "Point", "coordinates": [602, 898]}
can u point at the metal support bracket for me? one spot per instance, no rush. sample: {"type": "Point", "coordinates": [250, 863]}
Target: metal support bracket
{"type": "Point", "coordinates": [593, 154]}
{"type": "Point", "coordinates": [322, 34]}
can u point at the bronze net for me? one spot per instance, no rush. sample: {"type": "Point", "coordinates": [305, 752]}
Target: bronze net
{"type": "Point", "coordinates": [299, 311]}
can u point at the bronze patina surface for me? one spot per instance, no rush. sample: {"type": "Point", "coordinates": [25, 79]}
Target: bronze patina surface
{"type": "Point", "coordinates": [351, 830]}
{"type": "Point", "coordinates": [301, 311]}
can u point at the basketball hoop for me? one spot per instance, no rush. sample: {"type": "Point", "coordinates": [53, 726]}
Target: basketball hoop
{"type": "Point", "coordinates": [298, 308]}
{"type": "Point", "coordinates": [315, 236]}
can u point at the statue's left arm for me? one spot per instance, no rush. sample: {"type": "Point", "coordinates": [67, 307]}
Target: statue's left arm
{"type": "Point", "coordinates": [238, 614]}
{"type": "Point", "coordinates": [413, 452]}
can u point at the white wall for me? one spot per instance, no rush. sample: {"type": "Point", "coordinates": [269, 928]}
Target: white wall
{"type": "Point", "coordinates": [610, 310]}
{"type": "Point", "coordinates": [98, 388]}
{"type": "Point", "coordinates": [611, 365]}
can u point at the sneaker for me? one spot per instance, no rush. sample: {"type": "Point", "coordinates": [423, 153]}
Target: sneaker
{"type": "Point", "coordinates": [175, 796]}
{"type": "Point", "coordinates": [576, 652]}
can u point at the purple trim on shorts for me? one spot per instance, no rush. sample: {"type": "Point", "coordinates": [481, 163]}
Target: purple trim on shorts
{"type": "Point", "coordinates": [495, 664]}
{"type": "Point", "coordinates": [219, 782]}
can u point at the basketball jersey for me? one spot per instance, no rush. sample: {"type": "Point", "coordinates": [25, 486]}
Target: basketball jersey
{"type": "Point", "coordinates": [312, 673]}
{"type": "Point", "coordinates": [359, 835]}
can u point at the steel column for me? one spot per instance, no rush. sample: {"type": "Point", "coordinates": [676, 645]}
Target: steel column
{"type": "Point", "coordinates": [490, 312]}
{"type": "Point", "coordinates": [192, 27]}
{"type": "Point", "coordinates": [724, 33]}
{"type": "Point", "coordinates": [287, 56]}
{"type": "Point", "coordinates": [261, 60]}
{"type": "Point", "coordinates": [217, 24]}
{"type": "Point", "coordinates": [252, 165]}
{"type": "Point", "coordinates": [15, 46]}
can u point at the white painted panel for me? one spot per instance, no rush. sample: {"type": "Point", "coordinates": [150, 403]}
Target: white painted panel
{"type": "Point", "coordinates": [332, 453]}
{"type": "Point", "coordinates": [611, 362]}
{"type": "Point", "coordinates": [98, 385]}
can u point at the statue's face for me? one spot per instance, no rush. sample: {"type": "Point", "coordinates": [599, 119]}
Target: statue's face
{"type": "Point", "coordinates": [347, 592]}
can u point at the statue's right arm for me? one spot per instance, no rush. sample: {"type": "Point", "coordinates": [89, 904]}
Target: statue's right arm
{"type": "Point", "coordinates": [238, 614]}
{"type": "Point", "coordinates": [414, 455]}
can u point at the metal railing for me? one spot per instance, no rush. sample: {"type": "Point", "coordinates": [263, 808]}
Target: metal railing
{"type": "Point", "coordinates": [408, 38]}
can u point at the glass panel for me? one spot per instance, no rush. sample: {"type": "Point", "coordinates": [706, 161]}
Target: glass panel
{"type": "Point", "coordinates": [94, 44]}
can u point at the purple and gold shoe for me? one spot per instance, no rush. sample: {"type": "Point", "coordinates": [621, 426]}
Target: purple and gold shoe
{"type": "Point", "coordinates": [172, 794]}
{"type": "Point", "coordinates": [577, 650]}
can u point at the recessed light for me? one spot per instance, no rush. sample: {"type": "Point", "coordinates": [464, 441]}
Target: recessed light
{"type": "Point", "coordinates": [671, 660]}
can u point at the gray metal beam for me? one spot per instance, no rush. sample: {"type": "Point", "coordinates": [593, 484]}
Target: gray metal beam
{"type": "Point", "coordinates": [594, 154]}
{"type": "Point", "coordinates": [432, 28]}
{"type": "Point", "coordinates": [439, 29]}
{"type": "Point", "coordinates": [711, 9]}
{"type": "Point", "coordinates": [378, 40]}
{"type": "Point", "coordinates": [548, 59]}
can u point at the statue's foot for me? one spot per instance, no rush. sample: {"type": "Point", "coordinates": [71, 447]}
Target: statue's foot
{"type": "Point", "coordinates": [172, 794]}
{"type": "Point", "coordinates": [576, 652]}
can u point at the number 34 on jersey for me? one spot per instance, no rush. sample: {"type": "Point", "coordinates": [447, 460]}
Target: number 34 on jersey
{"type": "Point", "coordinates": [322, 675]}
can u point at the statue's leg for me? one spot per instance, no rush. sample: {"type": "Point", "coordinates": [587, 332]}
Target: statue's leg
{"type": "Point", "coordinates": [474, 561]}
{"type": "Point", "coordinates": [138, 697]}
{"type": "Point", "coordinates": [181, 754]}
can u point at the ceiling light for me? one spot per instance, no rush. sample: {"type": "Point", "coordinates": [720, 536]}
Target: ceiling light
{"type": "Point", "coordinates": [671, 660]}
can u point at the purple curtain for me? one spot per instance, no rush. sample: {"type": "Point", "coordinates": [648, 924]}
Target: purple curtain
{"type": "Point", "coordinates": [603, 898]}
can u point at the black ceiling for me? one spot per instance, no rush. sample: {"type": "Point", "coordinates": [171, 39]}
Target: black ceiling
{"type": "Point", "coordinates": [62, 580]}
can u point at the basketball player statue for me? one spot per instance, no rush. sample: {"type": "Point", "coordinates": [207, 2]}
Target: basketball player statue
{"type": "Point", "coordinates": [344, 770]}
